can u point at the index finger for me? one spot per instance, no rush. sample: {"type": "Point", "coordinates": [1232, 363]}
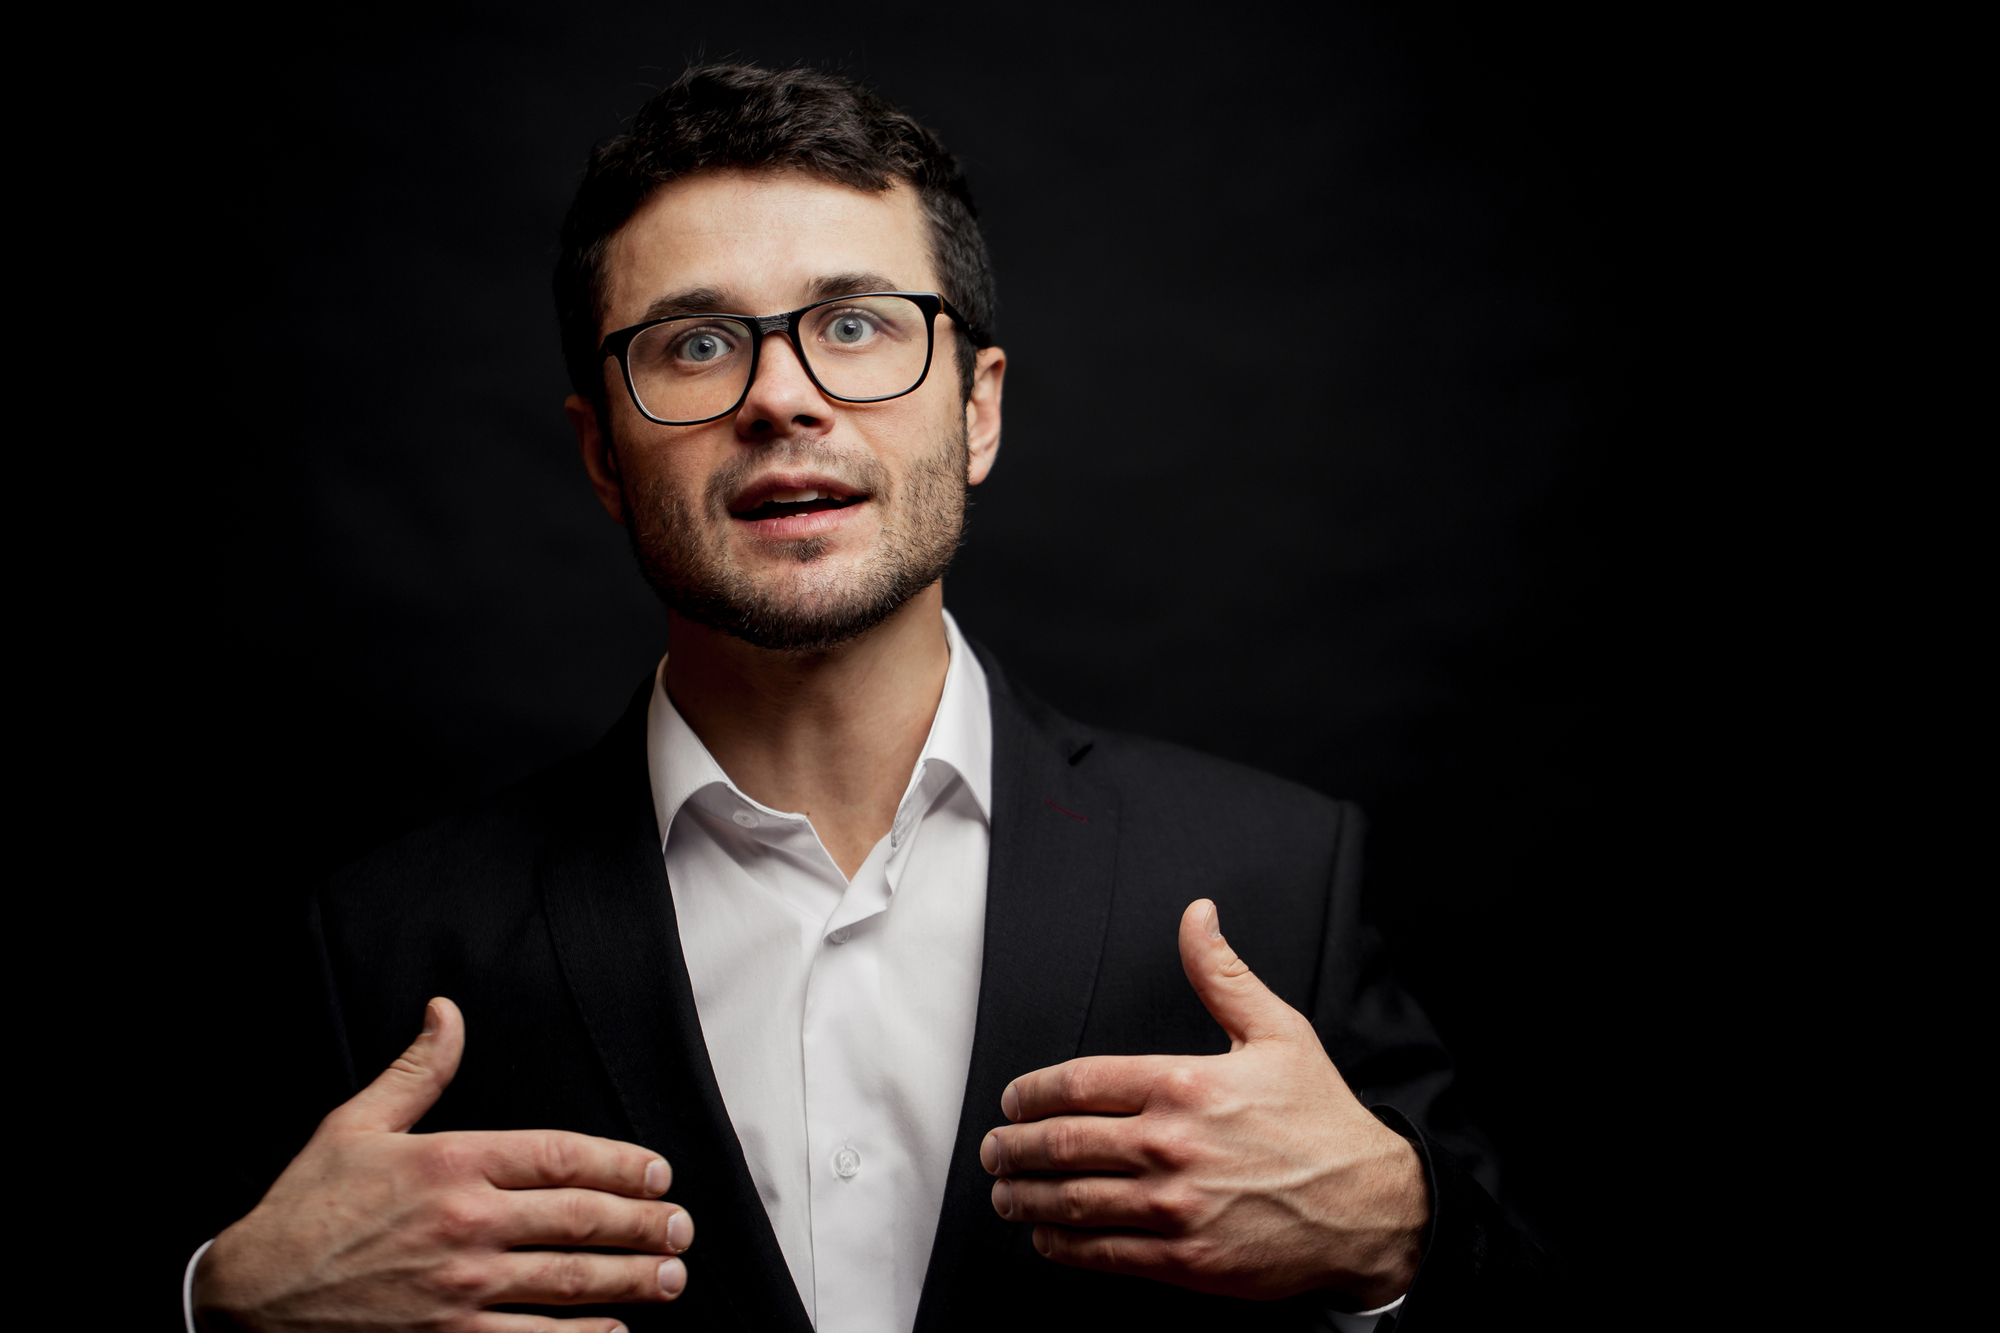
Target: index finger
{"type": "Point", "coordinates": [1093, 1084]}
{"type": "Point", "coordinates": [528, 1159]}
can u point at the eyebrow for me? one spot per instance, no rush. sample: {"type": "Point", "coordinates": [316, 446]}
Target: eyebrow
{"type": "Point", "coordinates": [693, 301]}
{"type": "Point", "coordinates": [847, 284]}
{"type": "Point", "coordinates": [713, 301]}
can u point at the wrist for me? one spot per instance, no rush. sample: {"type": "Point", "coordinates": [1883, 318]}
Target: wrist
{"type": "Point", "coordinates": [210, 1307]}
{"type": "Point", "coordinates": [1378, 1260]}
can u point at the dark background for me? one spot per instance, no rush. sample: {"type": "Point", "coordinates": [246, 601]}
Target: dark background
{"type": "Point", "coordinates": [1322, 453]}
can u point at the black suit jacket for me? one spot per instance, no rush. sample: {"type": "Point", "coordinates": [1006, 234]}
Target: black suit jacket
{"type": "Point", "coordinates": [545, 913]}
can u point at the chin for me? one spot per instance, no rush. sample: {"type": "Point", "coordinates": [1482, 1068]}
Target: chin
{"type": "Point", "coordinates": [808, 595]}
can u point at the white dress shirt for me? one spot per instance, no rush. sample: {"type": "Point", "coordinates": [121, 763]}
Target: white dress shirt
{"type": "Point", "coordinates": [838, 1015]}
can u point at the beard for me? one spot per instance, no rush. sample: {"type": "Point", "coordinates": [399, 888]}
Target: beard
{"type": "Point", "coordinates": [685, 555]}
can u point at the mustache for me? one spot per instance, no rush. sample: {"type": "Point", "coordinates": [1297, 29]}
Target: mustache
{"type": "Point", "coordinates": [863, 473]}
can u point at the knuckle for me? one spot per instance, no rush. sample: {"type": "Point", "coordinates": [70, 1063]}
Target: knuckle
{"type": "Point", "coordinates": [576, 1216]}
{"type": "Point", "coordinates": [631, 1224]}
{"type": "Point", "coordinates": [463, 1217]}
{"type": "Point", "coordinates": [1063, 1142]}
{"type": "Point", "coordinates": [1176, 1207]}
{"type": "Point", "coordinates": [460, 1283]}
{"type": "Point", "coordinates": [558, 1157]}
{"type": "Point", "coordinates": [1073, 1083]}
{"type": "Point", "coordinates": [1196, 1254]}
{"type": "Point", "coordinates": [1117, 1251]}
{"type": "Point", "coordinates": [446, 1159]}
{"type": "Point", "coordinates": [1081, 1247]}
{"type": "Point", "coordinates": [1076, 1200]}
{"type": "Point", "coordinates": [566, 1277]}
{"type": "Point", "coordinates": [1180, 1084]}
{"type": "Point", "coordinates": [1166, 1148]}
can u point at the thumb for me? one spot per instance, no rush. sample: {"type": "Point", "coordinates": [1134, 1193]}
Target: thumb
{"type": "Point", "coordinates": [1243, 1005]}
{"type": "Point", "coordinates": [411, 1084]}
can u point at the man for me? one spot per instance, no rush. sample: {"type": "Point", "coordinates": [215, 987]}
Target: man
{"type": "Point", "coordinates": [909, 992]}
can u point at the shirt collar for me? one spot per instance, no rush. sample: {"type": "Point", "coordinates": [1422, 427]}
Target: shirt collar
{"type": "Point", "coordinates": [961, 738]}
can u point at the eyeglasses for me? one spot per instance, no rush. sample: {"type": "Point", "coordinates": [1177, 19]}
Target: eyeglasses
{"type": "Point", "coordinates": [687, 369]}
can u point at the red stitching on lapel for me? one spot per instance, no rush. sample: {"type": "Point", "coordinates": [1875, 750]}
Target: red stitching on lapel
{"type": "Point", "coordinates": [1081, 819]}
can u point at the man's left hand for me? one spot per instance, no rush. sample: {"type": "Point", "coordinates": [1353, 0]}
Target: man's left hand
{"type": "Point", "coordinates": [1255, 1173]}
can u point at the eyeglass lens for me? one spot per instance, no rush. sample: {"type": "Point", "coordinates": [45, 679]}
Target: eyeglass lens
{"type": "Point", "coordinates": [696, 367]}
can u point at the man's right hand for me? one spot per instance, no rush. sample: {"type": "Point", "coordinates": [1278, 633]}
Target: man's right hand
{"type": "Point", "coordinates": [372, 1227]}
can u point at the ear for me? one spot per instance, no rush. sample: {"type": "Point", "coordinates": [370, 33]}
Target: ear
{"type": "Point", "coordinates": [599, 460]}
{"type": "Point", "coordinates": [982, 413]}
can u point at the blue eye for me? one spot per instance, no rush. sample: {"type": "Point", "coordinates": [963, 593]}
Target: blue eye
{"type": "Point", "coordinates": [850, 329]}
{"type": "Point", "coordinates": [704, 347]}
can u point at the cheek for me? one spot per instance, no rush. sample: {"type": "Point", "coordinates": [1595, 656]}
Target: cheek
{"type": "Point", "coordinates": [654, 457]}
{"type": "Point", "coordinates": [935, 426]}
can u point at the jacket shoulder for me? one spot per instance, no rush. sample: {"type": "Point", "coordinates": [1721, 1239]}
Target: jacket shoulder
{"type": "Point", "coordinates": [1174, 775]}
{"type": "Point", "coordinates": [486, 848]}
{"type": "Point", "coordinates": [1161, 776]}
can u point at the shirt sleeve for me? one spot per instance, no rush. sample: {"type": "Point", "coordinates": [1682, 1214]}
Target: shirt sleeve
{"type": "Point", "coordinates": [1358, 1321]}
{"type": "Point", "coordinates": [187, 1290]}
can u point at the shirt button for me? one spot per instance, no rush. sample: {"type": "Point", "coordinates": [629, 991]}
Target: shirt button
{"type": "Point", "coordinates": [840, 937]}
{"type": "Point", "coordinates": [847, 1163]}
{"type": "Point", "coordinates": [745, 818]}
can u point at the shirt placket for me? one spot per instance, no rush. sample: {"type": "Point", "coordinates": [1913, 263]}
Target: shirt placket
{"type": "Point", "coordinates": [859, 1164]}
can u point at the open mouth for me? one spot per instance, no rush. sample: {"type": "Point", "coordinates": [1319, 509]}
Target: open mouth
{"type": "Point", "coordinates": [784, 504]}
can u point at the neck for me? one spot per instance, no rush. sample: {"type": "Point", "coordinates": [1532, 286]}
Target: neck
{"type": "Point", "coordinates": [833, 735]}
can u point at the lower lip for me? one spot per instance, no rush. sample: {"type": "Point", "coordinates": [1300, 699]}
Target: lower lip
{"type": "Point", "coordinates": [793, 526]}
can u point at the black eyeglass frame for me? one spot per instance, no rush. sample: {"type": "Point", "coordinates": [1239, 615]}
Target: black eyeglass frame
{"type": "Point", "coordinates": [931, 303]}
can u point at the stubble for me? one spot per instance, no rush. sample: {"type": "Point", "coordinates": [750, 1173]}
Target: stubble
{"type": "Point", "coordinates": [686, 558]}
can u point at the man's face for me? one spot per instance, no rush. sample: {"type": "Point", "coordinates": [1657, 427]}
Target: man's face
{"type": "Point", "coordinates": [799, 521]}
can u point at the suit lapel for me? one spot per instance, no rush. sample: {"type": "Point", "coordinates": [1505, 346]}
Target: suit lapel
{"type": "Point", "coordinates": [1048, 899]}
{"type": "Point", "coordinates": [611, 913]}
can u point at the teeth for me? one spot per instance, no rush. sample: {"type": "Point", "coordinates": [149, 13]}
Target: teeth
{"type": "Point", "coordinates": [794, 497]}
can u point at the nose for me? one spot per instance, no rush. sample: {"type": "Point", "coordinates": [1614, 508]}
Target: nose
{"type": "Point", "coordinates": [782, 399]}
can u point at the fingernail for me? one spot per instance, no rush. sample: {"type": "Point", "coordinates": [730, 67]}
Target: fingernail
{"type": "Point", "coordinates": [432, 1018]}
{"type": "Point", "coordinates": [1003, 1197]}
{"type": "Point", "coordinates": [673, 1277]}
{"type": "Point", "coordinates": [680, 1232]}
{"type": "Point", "coordinates": [658, 1176]}
{"type": "Point", "coordinates": [1042, 1241]}
{"type": "Point", "coordinates": [989, 1153]}
{"type": "Point", "coordinates": [1010, 1103]}
{"type": "Point", "coordinates": [1214, 923]}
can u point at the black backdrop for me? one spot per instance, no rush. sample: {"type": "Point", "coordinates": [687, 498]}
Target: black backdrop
{"type": "Point", "coordinates": [1318, 456]}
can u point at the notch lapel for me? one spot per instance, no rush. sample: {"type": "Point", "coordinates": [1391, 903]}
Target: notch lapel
{"type": "Point", "coordinates": [1048, 900]}
{"type": "Point", "coordinates": [611, 914]}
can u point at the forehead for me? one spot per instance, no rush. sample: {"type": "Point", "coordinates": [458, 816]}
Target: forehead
{"type": "Point", "coordinates": [762, 239]}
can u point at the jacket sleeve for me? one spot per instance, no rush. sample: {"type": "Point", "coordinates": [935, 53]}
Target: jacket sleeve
{"type": "Point", "coordinates": [1480, 1268]}
{"type": "Point", "coordinates": [300, 1071]}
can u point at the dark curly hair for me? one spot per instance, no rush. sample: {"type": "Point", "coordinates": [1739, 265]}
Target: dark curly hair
{"type": "Point", "coordinates": [719, 116]}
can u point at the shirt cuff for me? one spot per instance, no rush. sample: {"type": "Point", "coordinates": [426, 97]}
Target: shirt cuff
{"type": "Point", "coordinates": [187, 1288]}
{"type": "Point", "coordinates": [1340, 1321]}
